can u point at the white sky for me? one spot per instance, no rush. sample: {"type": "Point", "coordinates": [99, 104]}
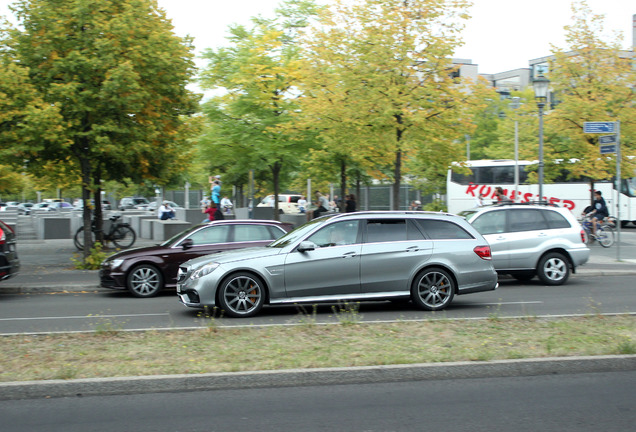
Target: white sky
{"type": "Point", "coordinates": [502, 34]}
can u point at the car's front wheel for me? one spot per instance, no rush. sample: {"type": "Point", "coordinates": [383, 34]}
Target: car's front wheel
{"type": "Point", "coordinates": [433, 289]}
{"type": "Point", "coordinates": [242, 295]}
{"type": "Point", "coordinates": [553, 269]}
{"type": "Point", "coordinates": [144, 281]}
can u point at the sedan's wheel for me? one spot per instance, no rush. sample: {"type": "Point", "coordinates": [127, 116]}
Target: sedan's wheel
{"type": "Point", "coordinates": [144, 281]}
{"type": "Point", "coordinates": [242, 295]}
{"type": "Point", "coordinates": [553, 269]}
{"type": "Point", "coordinates": [433, 289]}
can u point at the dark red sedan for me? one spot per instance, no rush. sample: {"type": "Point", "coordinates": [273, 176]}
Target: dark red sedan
{"type": "Point", "coordinates": [9, 262]}
{"type": "Point", "coordinates": [146, 271]}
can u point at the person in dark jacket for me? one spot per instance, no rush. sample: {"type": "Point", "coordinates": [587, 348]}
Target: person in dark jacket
{"type": "Point", "coordinates": [350, 203]}
{"type": "Point", "coordinates": [599, 211]}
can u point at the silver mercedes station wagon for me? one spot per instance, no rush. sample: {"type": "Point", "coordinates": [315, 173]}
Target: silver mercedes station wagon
{"type": "Point", "coordinates": [425, 257]}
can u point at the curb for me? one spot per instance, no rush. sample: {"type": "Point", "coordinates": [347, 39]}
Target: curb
{"type": "Point", "coordinates": [314, 377]}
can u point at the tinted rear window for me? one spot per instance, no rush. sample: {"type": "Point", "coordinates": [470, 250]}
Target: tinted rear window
{"type": "Point", "coordinates": [442, 230]}
{"type": "Point", "coordinates": [556, 220]}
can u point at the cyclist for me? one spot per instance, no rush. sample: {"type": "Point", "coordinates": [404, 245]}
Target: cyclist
{"type": "Point", "coordinates": [599, 211]}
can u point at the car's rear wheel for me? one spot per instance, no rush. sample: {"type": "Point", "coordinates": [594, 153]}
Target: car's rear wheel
{"type": "Point", "coordinates": [553, 269]}
{"type": "Point", "coordinates": [144, 281]}
{"type": "Point", "coordinates": [242, 295]}
{"type": "Point", "coordinates": [433, 289]}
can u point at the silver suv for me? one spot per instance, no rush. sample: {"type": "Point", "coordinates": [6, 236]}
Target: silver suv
{"type": "Point", "coordinates": [529, 240]}
{"type": "Point", "coordinates": [425, 257]}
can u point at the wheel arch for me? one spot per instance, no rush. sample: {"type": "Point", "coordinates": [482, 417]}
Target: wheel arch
{"type": "Point", "coordinates": [429, 266]}
{"type": "Point", "coordinates": [557, 250]}
{"type": "Point", "coordinates": [242, 270]}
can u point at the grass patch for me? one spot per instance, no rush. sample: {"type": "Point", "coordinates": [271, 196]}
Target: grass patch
{"type": "Point", "coordinates": [110, 352]}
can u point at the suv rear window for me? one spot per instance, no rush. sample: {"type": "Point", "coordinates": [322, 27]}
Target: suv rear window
{"type": "Point", "coordinates": [442, 230]}
{"type": "Point", "coordinates": [526, 220]}
{"type": "Point", "coordinates": [556, 220]}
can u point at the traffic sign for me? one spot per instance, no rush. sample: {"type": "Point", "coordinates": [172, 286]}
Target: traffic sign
{"type": "Point", "coordinates": [608, 148]}
{"type": "Point", "coordinates": [607, 139]}
{"type": "Point", "coordinates": [598, 127]}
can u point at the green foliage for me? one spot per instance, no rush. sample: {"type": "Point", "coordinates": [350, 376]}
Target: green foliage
{"type": "Point", "coordinates": [590, 78]}
{"type": "Point", "coordinates": [93, 260]}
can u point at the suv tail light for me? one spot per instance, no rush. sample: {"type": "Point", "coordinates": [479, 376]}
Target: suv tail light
{"type": "Point", "coordinates": [583, 236]}
{"type": "Point", "coordinates": [3, 236]}
{"type": "Point", "coordinates": [483, 252]}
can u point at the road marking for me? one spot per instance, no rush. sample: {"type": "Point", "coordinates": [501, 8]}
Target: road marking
{"type": "Point", "coordinates": [507, 303]}
{"type": "Point", "coordinates": [82, 317]}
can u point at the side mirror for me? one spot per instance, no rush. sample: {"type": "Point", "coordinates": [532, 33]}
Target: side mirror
{"type": "Point", "coordinates": [187, 244]}
{"type": "Point", "coordinates": [306, 246]}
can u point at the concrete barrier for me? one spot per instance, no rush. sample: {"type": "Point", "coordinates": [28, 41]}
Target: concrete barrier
{"type": "Point", "coordinates": [146, 227]}
{"type": "Point", "coordinates": [49, 228]}
{"type": "Point", "coordinates": [193, 216]}
{"type": "Point", "coordinates": [242, 213]}
{"type": "Point", "coordinates": [136, 219]}
{"type": "Point", "coordinates": [295, 219]}
{"type": "Point", "coordinates": [263, 213]}
{"type": "Point", "coordinates": [164, 229]}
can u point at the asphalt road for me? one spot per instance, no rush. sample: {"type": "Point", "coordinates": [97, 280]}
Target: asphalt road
{"type": "Point", "coordinates": [570, 402]}
{"type": "Point", "coordinates": [88, 311]}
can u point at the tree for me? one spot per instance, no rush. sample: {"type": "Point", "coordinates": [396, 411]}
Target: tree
{"type": "Point", "coordinates": [593, 81]}
{"type": "Point", "coordinates": [258, 73]}
{"type": "Point", "coordinates": [114, 74]}
{"type": "Point", "coordinates": [383, 79]}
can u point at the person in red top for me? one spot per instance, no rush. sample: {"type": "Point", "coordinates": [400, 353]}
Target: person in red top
{"type": "Point", "coordinates": [213, 213]}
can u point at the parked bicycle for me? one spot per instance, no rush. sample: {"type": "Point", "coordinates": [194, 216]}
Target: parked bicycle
{"type": "Point", "coordinates": [604, 231]}
{"type": "Point", "coordinates": [120, 234]}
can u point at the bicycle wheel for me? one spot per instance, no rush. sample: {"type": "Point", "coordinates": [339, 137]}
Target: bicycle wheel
{"type": "Point", "coordinates": [79, 238]}
{"type": "Point", "coordinates": [605, 236]}
{"type": "Point", "coordinates": [124, 237]}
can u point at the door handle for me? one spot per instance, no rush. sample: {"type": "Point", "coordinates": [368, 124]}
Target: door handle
{"type": "Point", "coordinates": [413, 249]}
{"type": "Point", "coordinates": [349, 255]}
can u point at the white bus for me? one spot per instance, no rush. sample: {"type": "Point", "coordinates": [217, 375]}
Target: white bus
{"type": "Point", "coordinates": [463, 190]}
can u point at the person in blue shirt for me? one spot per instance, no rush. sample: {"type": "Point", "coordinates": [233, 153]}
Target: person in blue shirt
{"type": "Point", "coordinates": [599, 211]}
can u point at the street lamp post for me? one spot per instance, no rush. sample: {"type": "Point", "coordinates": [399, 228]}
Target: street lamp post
{"type": "Point", "coordinates": [541, 85]}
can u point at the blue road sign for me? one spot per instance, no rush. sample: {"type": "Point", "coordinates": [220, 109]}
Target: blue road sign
{"type": "Point", "coordinates": [598, 127]}
{"type": "Point", "coordinates": [608, 148]}
{"type": "Point", "coordinates": [607, 139]}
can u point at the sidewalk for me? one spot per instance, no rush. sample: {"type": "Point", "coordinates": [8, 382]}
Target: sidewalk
{"type": "Point", "coordinates": [46, 266]}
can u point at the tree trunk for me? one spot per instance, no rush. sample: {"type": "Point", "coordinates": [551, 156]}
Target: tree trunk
{"type": "Point", "coordinates": [343, 184]}
{"type": "Point", "coordinates": [85, 167]}
{"type": "Point", "coordinates": [276, 178]}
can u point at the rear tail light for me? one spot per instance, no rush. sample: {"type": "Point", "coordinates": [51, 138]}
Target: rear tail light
{"type": "Point", "coordinates": [483, 252]}
{"type": "Point", "coordinates": [583, 236]}
{"type": "Point", "coordinates": [3, 236]}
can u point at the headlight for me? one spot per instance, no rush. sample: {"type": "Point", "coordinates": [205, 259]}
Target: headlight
{"type": "Point", "coordinates": [116, 263]}
{"type": "Point", "coordinates": [205, 270]}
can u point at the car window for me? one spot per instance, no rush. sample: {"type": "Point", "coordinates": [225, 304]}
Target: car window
{"type": "Point", "coordinates": [442, 230]}
{"type": "Point", "coordinates": [384, 230]}
{"type": "Point", "coordinates": [245, 233]}
{"type": "Point", "coordinates": [491, 222]}
{"type": "Point", "coordinates": [526, 220]}
{"type": "Point", "coordinates": [337, 234]}
{"type": "Point", "coordinates": [210, 235]}
{"type": "Point", "coordinates": [556, 220]}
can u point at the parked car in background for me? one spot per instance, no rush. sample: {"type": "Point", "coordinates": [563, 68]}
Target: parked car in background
{"type": "Point", "coordinates": [24, 208]}
{"type": "Point", "coordinates": [128, 203]}
{"type": "Point", "coordinates": [9, 261]}
{"type": "Point", "coordinates": [43, 206]}
{"type": "Point", "coordinates": [424, 257]}
{"type": "Point", "coordinates": [287, 203]}
{"type": "Point", "coordinates": [79, 204]}
{"type": "Point", "coordinates": [8, 205]}
{"type": "Point", "coordinates": [60, 205]}
{"type": "Point", "coordinates": [530, 240]}
{"type": "Point", "coordinates": [146, 271]}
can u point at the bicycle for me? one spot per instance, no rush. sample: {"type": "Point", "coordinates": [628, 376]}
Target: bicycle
{"type": "Point", "coordinates": [120, 234]}
{"type": "Point", "coordinates": [604, 232]}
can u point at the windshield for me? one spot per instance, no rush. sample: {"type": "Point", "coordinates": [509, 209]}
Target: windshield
{"type": "Point", "coordinates": [298, 233]}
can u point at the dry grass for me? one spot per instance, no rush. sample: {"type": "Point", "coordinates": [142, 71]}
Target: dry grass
{"type": "Point", "coordinates": [109, 352]}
